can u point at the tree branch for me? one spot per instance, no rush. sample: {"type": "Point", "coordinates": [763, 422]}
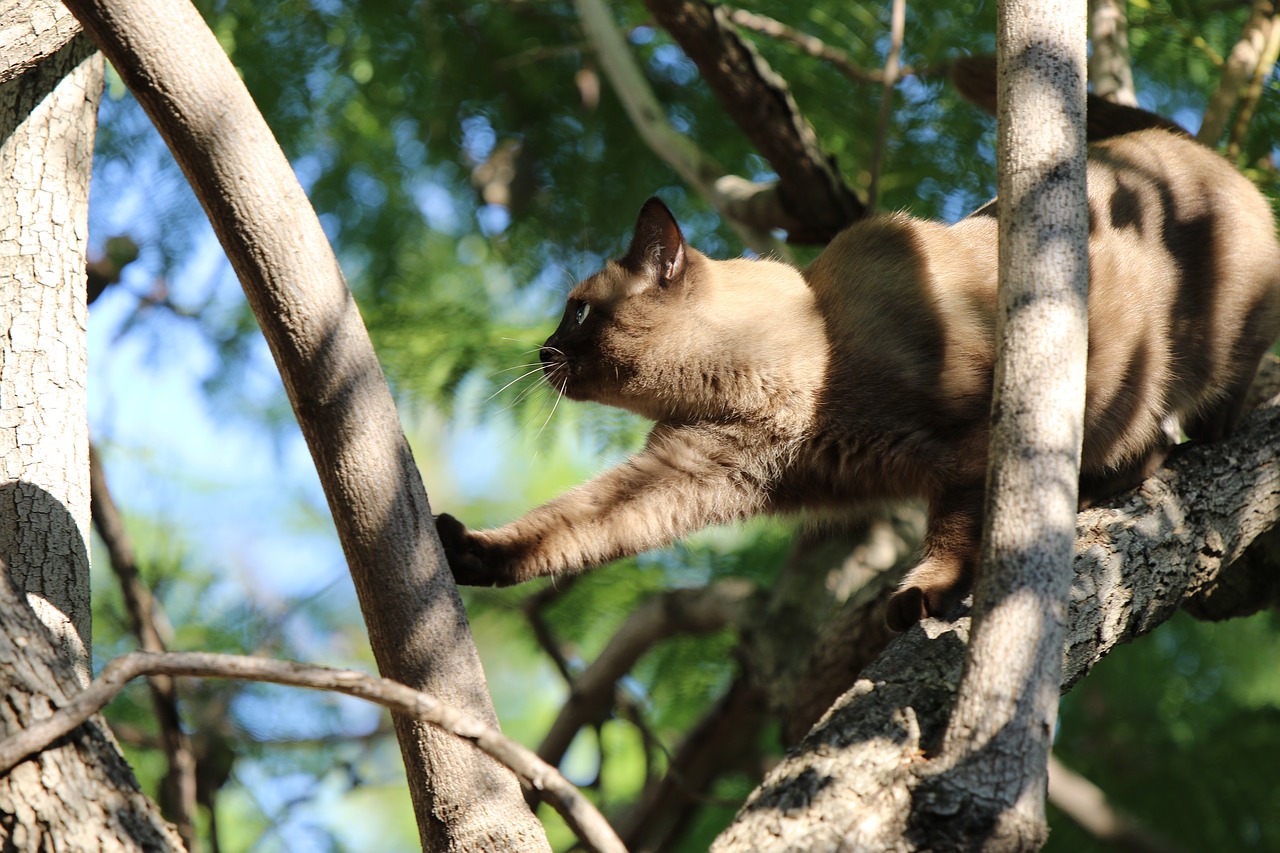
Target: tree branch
{"type": "Point", "coordinates": [1087, 805]}
{"type": "Point", "coordinates": [1236, 72]}
{"type": "Point", "coordinates": [725, 192]}
{"type": "Point", "coordinates": [810, 187]}
{"type": "Point", "coordinates": [1249, 101]}
{"type": "Point", "coordinates": [855, 779]}
{"type": "Point", "coordinates": [33, 32]}
{"type": "Point", "coordinates": [577, 811]}
{"type": "Point", "coordinates": [417, 625]}
{"type": "Point", "coordinates": [678, 611]}
{"type": "Point", "coordinates": [1109, 69]}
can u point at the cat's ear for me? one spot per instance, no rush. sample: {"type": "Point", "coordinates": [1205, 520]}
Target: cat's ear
{"type": "Point", "coordinates": [658, 249]}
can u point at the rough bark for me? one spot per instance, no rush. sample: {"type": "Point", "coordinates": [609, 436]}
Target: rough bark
{"type": "Point", "coordinates": [79, 794]}
{"type": "Point", "coordinates": [417, 626]}
{"type": "Point", "coordinates": [993, 765]}
{"type": "Point", "coordinates": [854, 783]}
{"type": "Point", "coordinates": [48, 116]}
{"type": "Point", "coordinates": [30, 33]}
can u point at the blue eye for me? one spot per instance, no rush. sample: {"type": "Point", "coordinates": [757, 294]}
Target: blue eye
{"type": "Point", "coordinates": [583, 310]}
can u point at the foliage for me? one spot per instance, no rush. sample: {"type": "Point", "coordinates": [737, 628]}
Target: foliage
{"type": "Point", "coordinates": [469, 162]}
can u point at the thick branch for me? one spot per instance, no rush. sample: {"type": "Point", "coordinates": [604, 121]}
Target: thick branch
{"type": "Point", "coordinates": [589, 825]}
{"type": "Point", "coordinates": [809, 185]}
{"type": "Point", "coordinates": [31, 33]}
{"type": "Point", "coordinates": [855, 779]}
{"type": "Point", "coordinates": [990, 779]}
{"type": "Point", "coordinates": [417, 626]}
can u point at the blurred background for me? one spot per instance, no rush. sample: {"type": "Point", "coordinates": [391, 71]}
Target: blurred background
{"type": "Point", "coordinates": [470, 161]}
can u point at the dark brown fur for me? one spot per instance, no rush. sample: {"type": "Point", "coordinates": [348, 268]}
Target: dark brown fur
{"type": "Point", "coordinates": [867, 376]}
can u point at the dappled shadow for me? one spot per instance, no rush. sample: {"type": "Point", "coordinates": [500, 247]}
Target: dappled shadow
{"type": "Point", "coordinates": [48, 560]}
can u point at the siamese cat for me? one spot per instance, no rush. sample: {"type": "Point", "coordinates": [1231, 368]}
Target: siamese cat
{"type": "Point", "coordinates": [867, 375]}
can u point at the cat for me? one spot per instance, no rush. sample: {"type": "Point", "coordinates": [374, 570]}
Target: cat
{"type": "Point", "coordinates": [867, 375]}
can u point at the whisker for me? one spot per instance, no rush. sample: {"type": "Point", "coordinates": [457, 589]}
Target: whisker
{"type": "Point", "coordinates": [524, 375]}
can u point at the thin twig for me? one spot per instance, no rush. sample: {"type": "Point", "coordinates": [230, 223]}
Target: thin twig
{"type": "Point", "coordinates": [577, 811]}
{"type": "Point", "coordinates": [812, 45]}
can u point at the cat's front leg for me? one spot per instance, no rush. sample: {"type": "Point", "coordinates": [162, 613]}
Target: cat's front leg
{"type": "Point", "coordinates": [687, 478]}
{"type": "Point", "coordinates": [945, 575]}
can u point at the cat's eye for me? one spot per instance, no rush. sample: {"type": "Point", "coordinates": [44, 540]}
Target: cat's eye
{"type": "Point", "coordinates": [583, 310]}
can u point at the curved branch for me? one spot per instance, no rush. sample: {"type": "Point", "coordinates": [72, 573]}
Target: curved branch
{"type": "Point", "coordinates": [577, 811]}
{"type": "Point", "coordinates": [417, 625]}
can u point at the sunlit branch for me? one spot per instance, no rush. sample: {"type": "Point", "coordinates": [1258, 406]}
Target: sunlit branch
{"type": "Point", "coordinates": [577, 811]}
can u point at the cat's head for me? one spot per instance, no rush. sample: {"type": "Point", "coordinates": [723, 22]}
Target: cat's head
{"type": "Point", "coordinates": [668, 333]}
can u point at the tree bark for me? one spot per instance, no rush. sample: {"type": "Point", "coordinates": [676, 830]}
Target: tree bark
{"type": "Point", "coordinates": [854, 782]}
{"type": "Point", "coordinates": [417, 626]}
{"type": "Point", "coordinates": [993, 765]}
{"type": "Point", "coordinates": [49, 116]}
{"type": "Point", "coordinates": [80, 794]}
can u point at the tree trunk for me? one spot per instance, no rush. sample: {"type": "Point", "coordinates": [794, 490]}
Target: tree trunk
{"type": "Point", "coordinates": [418, 629]}
{"type": "Point", "coordinates": [49, 116]}
{"type": "Point", "coordinates": [79, 795]}
{"type": "Point", "coordinates": [994, 760]}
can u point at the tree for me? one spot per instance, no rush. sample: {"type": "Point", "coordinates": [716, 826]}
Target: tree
{"type": "Point", "coordinates": [798, 636]}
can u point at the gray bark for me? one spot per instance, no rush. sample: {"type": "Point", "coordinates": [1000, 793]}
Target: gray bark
{"type": "Point", "coordinates": [858, 780]}
{"type": "Point", "coordinates": [417, 626]}
{"type": "Point", "coordinates": [993, 764]}
{"type": "Point", "coordinates": [78, 795]}
{"type": "Point", "coordinates": [49, 116]}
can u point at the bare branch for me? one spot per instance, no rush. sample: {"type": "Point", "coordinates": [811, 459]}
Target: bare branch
{"type": "Point", "coordinates": [680, 152]}
{"type": "Point", "coordinates": [1249, 102]}
{"type": "Point", "coordinates": [577, 811]}
{"type": "Point", "coordinates": [812, 45]}
{"type": "Point", "coordinates": [679, 611]}
{"type": "Point", "coordinates": [891, 72]}
{"type": "Point", "coordinates": [1087, 804]}
{"type": "Point", "coordinates": [1109, 69]}
{"type": "Point", "coordinates": [810, 187]}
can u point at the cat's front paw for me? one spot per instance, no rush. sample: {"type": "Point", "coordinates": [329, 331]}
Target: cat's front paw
{"type": "Point", "coordinates": [473, 560]}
